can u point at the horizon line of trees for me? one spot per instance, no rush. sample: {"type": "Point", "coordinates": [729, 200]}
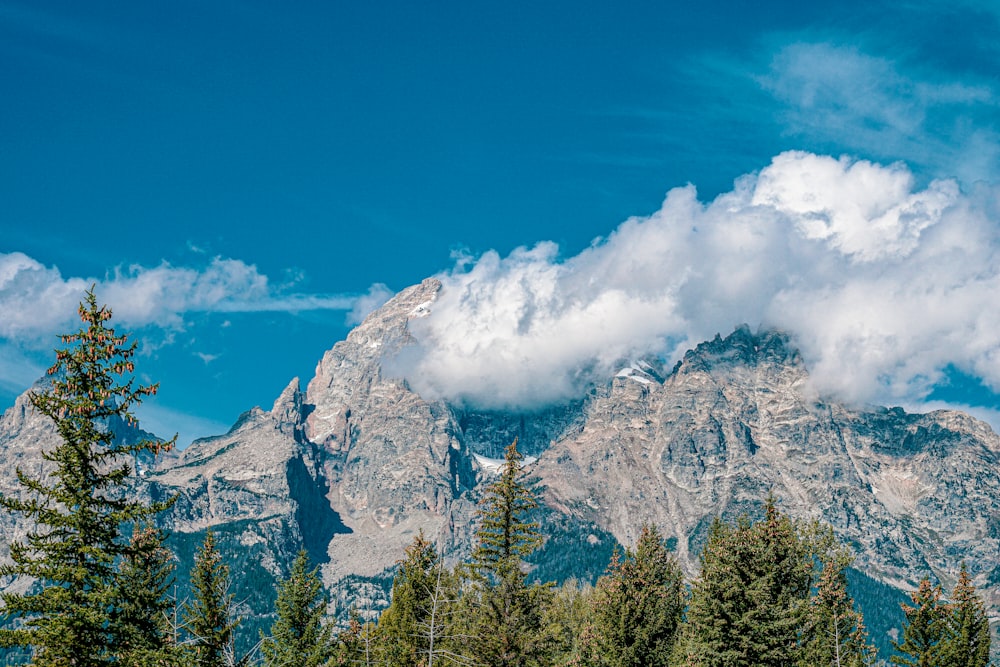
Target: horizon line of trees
{"type": "Point", "coordinates": [769, 593]}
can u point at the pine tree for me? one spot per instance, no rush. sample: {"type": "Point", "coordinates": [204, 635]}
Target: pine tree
{"type": "Point", "coordinates": [748, 605]}
{"type": "Point", "coordinates": [298, 636]}
{"type": "Point", "coordinates": [926, 633]}
{"type": "Point", "coordinates": [208, 618]}
{"type": "Point", "coordinates": [143, 633]}
{"type": "Point", "coordinates": [79, 510]}
{"type": "Point", "coordinates": [836, 634]}
{"type": "Point", "coordinates": [506, 613]}
{"type": "Point", "coordinates": [637, 606]}
{"type": "Point", "coordinates": [412, 589]}
{"type": "Point", "coordinates": [968, 627]}
{"type": "Point", "coordinates": [505, 535]}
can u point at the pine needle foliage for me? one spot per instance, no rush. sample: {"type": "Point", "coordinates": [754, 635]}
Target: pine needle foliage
{"type": "Point", "coordinates": [80, 512]}
{"type": "Point", "coordinates": [836, 634]}
{"type": "Point", "coordinates": [748, 604]}
{"type": "Point", "coordinates": [399, 626]}
{"type": "Point", "coordinates": [298, 637]}
{"type": "Point", "coordinates": [208, 618]}
{"type": "Point", "coordinates": [505, 620]}
{"type": "Point", "coordinates": [505, 534]}
{"type": "Point", "coordinates": [637, 606]}
{"type": "Point", "coordinates": [926, 633]}
{"type": "Point", "coordinates": [968, 626]}
{"type": "Point", "coordinates": [144, 634]}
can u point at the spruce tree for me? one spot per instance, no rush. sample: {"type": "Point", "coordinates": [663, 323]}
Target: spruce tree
{"type": "Point", "coordinates": [637, 606]}
{"type": "Point", "coordinates": [208, 617]}
{"type": "Point", "coordinates": [298, 636]}
{"type": "Point", "coordinates": [399, 626]}
{"type": "Point", "coordinates": [926, 633]}
{"type": "Point", "coordinates": [80, 510]}
{"type": "Point", "coordinates": [506, 613]}
{"type": "Point", "coordinates": [143, 632]}
{"type": "Point", "coordinates": [835, 634]}
{"type": "Point", "coordinates": [748, 604]}
{"type": "Point", "coordinates": [505, 534]}
{"type": "Point", "coordinates": [968, 643]}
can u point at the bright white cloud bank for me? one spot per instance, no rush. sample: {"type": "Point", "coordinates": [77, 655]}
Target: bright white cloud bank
{"type": "Point", "coordinates": [882, 284]}
{"type": "Point", "coordinates": [37, 302]}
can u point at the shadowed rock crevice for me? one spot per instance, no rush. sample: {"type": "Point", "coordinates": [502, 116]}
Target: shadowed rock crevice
{"type": "Point", "coordinates": [318, 522]}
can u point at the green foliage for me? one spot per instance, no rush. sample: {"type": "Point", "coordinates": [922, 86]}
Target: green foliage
{"type": "Point", "coordinates": [298, 636]}
{"type": "Point", "coordinates": [968, 643]}
{"type": "Point", "coordinates": [835, 633]}
{"type": "Point", "coordinates": [79, 510]}
{"type": "Point", "coordinates": [748, 605]}
{"type": "Point", "coordinates": [571, 550]}
{"type": "Point", "coordinates": [926, 632]}
{"type": "Point", "coordinates": [414, 621]}
{"type": "Point", "coordinates": [208, 617]}
{"type": "Point", "coordinates": [505, 534]}
{"type": "Point", "coordinates": [251, 584]}
{"type": "Point", "coordinates": [637, 606]}
{"type": "Point", "coordinates": [505, 614]}
{"type": "Point", "coordinates": [567, 619]}
{"type": "Point", "coordinates": [141, 621]}
{"type": "Point", "coordinates": [356, 645]}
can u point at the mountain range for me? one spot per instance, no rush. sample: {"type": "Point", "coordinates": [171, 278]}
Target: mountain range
{"type": "Point", "coordinates": [352, 466]}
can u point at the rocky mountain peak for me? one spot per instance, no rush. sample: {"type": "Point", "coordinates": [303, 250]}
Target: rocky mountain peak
{"type": "Point", "coordinates": [766, 348]}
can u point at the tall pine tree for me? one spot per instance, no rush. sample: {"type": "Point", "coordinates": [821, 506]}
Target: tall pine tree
{"type": "Point", "coordinates": [506, 612]}
{"type": "Point", "coordinates": [298, 636]}
{"type": "Point", "coordinates": [79, 511]}
{"type": "Point", "coordinates": [208, 617]}
{"type": "Point", "coordinates": [400, 626]}
{"type": "Point", "coordinates": [926, 633]}
{"type": "Point", "coordinates": [748, 604]}
{"type": "Point", "coordinates": [141, 621]}
{"type": "Point", "coordinates": [968, 643]}
{"type": "Point", "coordinates": [835, 634]}
{"type": "Point", "coordinates": [637, 606]}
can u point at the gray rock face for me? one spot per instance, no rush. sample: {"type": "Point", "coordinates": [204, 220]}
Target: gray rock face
{"type": "Point", "coordinates": [355, 465]}
{"type": "Point", "coordinates": [736, 420]}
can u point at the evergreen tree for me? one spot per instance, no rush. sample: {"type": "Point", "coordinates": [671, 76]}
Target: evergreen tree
{"type": "Point", "coordinates": [926, 633]}
{"type": "Point", "coordinates": [506, 613]}
{"type": "Point", "coordinates": [637, 606]}
{"type": "Point", "coordinates": [401, 627]}
{"type": "Point", "coordinates": [505, 535]}
{"type": "Point", "coordinates": [208, 618]}
{"type": "Point", "coordinates": [79, 510]}
{"type": "Point", "coordinates": [836, 634]}
{"type": "Point", "coordinates": [567, 619]}
{"type": "Point", "coordinates": [748, 605]}
{"type": "Point", "coordinates": [143, 632]}
{"type": "Point", "coordinates": [298, 636]}
{"type": "Point", "coordinates": [968, 627]}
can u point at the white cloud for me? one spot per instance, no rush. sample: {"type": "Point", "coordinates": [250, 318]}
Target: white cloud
{"type": "Point", "coordinates": [377, 295]}
{"type": "Point", "coordinates": [882, 285]}
{"type": "Point", "coordinates": [874, 106]}
{"type": "Point", "coordinates": [38, 302]}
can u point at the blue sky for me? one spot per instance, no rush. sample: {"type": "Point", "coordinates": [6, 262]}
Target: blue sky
{"type": "Point", "coordinates": [243, 180]}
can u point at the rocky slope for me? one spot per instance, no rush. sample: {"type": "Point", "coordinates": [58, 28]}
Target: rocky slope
{"type": "Point", "coordinates": [352, 467]}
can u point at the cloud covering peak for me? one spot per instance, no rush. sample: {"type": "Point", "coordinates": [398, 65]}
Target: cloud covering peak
{"type": "Point", "coordinates": [882, 284]}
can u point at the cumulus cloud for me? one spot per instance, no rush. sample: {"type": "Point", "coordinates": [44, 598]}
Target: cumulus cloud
{"type": "Point", "coordinates": [37, 301]}
{"type": "Point", "coordinates": [883, 284]}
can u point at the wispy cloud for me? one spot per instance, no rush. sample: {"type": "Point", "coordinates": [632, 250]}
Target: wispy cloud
{"type": "Point", "coordinates": [882, 283]}
{"type": "Point", "coordinates": [39, 302]}
{"type": "Point", "coordinates": [874, 106]}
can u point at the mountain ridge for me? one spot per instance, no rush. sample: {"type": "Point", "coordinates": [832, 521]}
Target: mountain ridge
{"type": "Point", "coordinates": [354, 465]}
